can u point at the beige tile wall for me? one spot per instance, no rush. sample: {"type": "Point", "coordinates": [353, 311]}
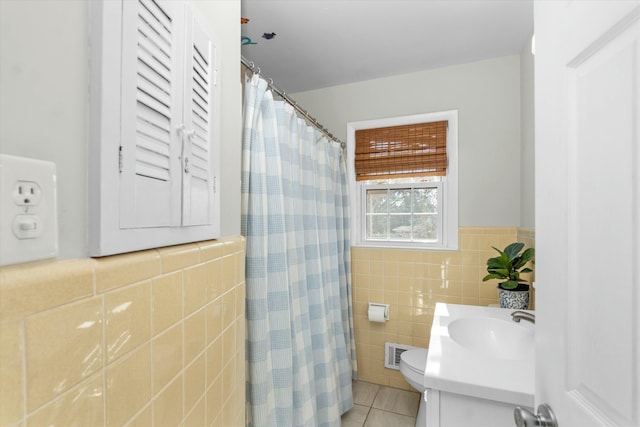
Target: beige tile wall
{"type": "Point", "coordinates": [149, 338]}
{"type": "Point", "coordinates": [412, 282]}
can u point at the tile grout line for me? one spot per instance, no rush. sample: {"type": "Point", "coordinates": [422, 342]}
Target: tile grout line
{"type": "Point", "coordinates": [371, 405]}
{"type": "Point", "coordinates": [390, 411]}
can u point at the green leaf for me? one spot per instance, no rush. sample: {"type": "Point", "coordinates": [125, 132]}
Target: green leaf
{"type": "Point", "coordinates": [501, 271]}
{"type": "Point", "coordinates": [513, 249]}
{"type": "Point", "coordinates": [510, 284]}
{"type": "Point", "coordinates": [497, 250]}
{"type": "Point", "coordinates": [495, 263]}
{"type": "Point", "coordinates": [506, 261]}
{"type": "Point", "coordinates": [528, 254]}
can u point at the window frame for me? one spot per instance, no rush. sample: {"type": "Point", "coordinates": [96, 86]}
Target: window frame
{"type": "Point", "coordinates": [448, 184]}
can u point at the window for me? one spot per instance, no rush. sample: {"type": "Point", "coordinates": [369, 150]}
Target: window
{"type": "Point", "coordinates": [404, 212]}
{"type": "Point", "coordinates": [403, 176]}
{"type": "Point", "coordinates": [154, 132]}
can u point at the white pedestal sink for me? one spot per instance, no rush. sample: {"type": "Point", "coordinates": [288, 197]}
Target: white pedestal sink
{"type": "Point", "coordinates": [479, 368]}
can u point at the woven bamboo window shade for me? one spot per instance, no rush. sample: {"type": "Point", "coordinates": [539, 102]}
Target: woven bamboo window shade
{"type": "Point", "coordinates": [397, 151]}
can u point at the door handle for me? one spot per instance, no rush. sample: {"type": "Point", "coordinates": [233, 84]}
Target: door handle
{"type": "Point", "coordinates": [544, 418]}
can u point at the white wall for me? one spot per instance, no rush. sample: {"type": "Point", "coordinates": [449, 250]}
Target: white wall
{"type": "Point", "coordinates": [527, 136]}
{"type": "Point", "coordinates": [43, 110]}
{"type": "Point", "coordinates": [487, 97]}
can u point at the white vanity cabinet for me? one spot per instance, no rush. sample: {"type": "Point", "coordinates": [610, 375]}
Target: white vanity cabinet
{"type": "Point", "coordinates": [446, 409]}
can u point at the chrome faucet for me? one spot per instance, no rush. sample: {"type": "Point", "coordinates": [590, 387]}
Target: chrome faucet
{"type": "Point", "coordinates": [519, 315]}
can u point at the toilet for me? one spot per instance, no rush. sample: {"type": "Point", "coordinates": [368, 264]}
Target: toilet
{"type": "Point", "coordinates": [412, 365]}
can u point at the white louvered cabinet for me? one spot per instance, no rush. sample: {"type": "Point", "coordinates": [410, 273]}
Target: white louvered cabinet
{"type": "Point", "coordinates": [154, 148]}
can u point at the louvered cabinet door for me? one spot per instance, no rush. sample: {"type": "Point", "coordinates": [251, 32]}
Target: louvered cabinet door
{"type": "Point", "coordinates": [154, 126]}
{"type": "Point", "coordinates": [201, 130]}
{"type": "Point", "coordinates": [151, 93]}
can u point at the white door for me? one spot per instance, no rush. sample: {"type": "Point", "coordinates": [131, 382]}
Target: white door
{"type": "Point", "coordinates": [588, 211]}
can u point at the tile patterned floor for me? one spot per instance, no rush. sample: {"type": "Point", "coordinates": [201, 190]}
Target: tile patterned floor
{"type": "Point", "coordinates": [379, 406]}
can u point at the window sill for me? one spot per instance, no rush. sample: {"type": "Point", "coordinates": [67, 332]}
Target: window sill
{"type": "Point", "coordinates": [412, 247]}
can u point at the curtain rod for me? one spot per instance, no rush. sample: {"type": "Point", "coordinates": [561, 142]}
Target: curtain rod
{"type": "Point", "coordinates": [282, 94]}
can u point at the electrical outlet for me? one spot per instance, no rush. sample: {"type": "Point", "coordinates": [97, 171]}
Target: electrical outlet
{"type": "Point", "coordinates": [28, 219]}
{"type": "Point", "coordinates": [27, 193]}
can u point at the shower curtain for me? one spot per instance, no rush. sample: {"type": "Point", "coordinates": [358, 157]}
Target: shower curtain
{"type": "Point", "coordinates": [300, 347]}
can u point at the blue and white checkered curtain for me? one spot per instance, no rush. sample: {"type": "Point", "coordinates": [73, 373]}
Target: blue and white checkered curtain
{"type": "Point", "coordinates": [300, 348]}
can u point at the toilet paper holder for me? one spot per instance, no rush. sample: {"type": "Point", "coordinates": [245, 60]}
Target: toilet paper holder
{"type": "Point", "coordinates": [385, 306]}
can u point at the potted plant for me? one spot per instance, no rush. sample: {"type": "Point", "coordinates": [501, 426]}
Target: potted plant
{"type": "Point", "coordinates": [508, 266]}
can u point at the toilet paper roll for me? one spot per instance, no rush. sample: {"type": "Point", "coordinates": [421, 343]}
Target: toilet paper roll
{"type": "Point", "coordinates": [376, 314]}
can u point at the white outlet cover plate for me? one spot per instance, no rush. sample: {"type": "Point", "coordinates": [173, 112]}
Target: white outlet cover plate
{"type": "Point", "coordinates": [28, 213]}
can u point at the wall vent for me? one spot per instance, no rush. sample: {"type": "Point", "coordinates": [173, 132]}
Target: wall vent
{"type": "Point", "coordinates": [392, 352]}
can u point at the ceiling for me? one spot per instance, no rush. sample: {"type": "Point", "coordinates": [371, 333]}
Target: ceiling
{"type": "Point", "coordinates": [322, 43]}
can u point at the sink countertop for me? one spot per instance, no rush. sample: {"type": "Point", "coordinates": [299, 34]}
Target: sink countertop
{"type": "Point", "coordinates": [457, 369]}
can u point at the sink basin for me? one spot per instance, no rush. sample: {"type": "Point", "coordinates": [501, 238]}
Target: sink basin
{"type": "Point", "coordinates": [480, 352]}
{"type": "Point", "coordinates": [493, 337]}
